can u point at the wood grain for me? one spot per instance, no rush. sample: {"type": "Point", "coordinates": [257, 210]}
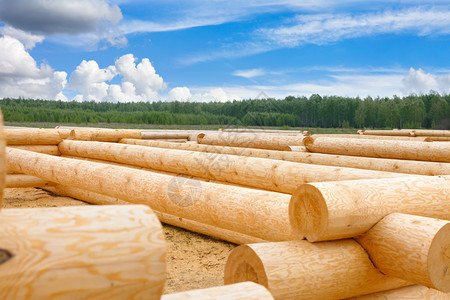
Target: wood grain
{"type": "Point", "coordinates": [413, 292]}
{"type": "Point", "coordinates": [3, 167]}
{"type": "Point", "coordinates": [45, 149]}
{"type": "Point", "coordinates": [33, 136]}
{"type": "Point", "coordinates": [104, 135]}
{"type": "Point", "coordinates": [85, 252]}
{"type": "Point", "coordinates": [25, 181]}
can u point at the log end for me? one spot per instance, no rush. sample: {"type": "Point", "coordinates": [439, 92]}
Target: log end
{"type": "Point", "coordinates": [200, 138]}
{"type": "Point", "coordinates": [243, 264]}
{"type": "Point", "coordinates": [308, 141]}
{"type": "Point", "coordinates": [439, 260]}
{"type": "Point", "coordinates": [308, 213]}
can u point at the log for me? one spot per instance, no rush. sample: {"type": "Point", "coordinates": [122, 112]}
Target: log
{"type": "Point", "coordinates": [395, 132]}
{"type": "Point", "coordinates": [375, 137]}
{"type": "Point", "coordinates": [381, 148]}
{"type": "Point", "coordinates": [3, 167]}
{"type": "Point", "coordinates": [84, 252]}
{"type": "Point", "coordinates": [25, 181]}
{"type": "Point", "coordinates": [238, 291]}
{"type": "Point", "coordinates": [251, 140]}
{"type": "Point", "coordinates": [35, 136]}
{"type": "Point", "coordinates": [266, 131]}
{"type": "Point", "coordinates": [104, 135]}
{"type": "Point", "coordinates": [413, 248]}
{"type": "Point", "coordinates": [298, 148]}
{"type": "Point", "coordinates": [258, 213]}
{"type": "Point", "coordinates": [303, 270]}
{"type": "Point", "coordinates": [413, 292]}
{"type": "Point", "coordinates": [164, 135]}
{"type": "Point", "coordinates": [439, 138]}
{"type": "Point", "coordinates": [213, 231]}
{"type": "Point", "coordinates": [432, 133]}
{"type": "Point", "coordinates": [46, 149]}
{"type": "Point", "coordinates": [368, 163]}
{"type": "Point", "coordinates": [342, 209]}
{"type": "Point", "coordinates": [267, 174]}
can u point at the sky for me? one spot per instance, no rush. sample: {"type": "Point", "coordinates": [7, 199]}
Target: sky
{"type": "Point", "coordinates": [205, 50]}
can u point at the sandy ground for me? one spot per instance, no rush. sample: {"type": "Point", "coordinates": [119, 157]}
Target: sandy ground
{"type": "Point", "coordinates": [193, 260]}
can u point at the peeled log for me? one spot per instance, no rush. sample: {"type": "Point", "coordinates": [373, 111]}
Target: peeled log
{"type": "Point", "coordinates": [25, 181]}
{"type": "Point", "coordinates": [268, 174]}
{"type": "Point", "coordinates": [303, 270]}
{"type": "Point", "coordinates": [84, 252]}
{"type": "Point", "coordinates": [342, 209]}
{"type": "Point", "coordinates": [35, 136]}
{"type": "Point", "coordinates": [251, 140]}
{"type": "Point", "coordinates": [104, 135]}
{"type": "Point", "coordinates": [413, 292]}
{"type": "Point", "coordinates": [375, 137]}
{"type": "Point", "coordinates": [267, 131]}
{"type": "Point", "coordinates": [381, 148]}
{"type": "Point", "coordinates": [164, 135]}
{"type": "Point", "coordinates": [94, 198]}
{"type": "Point", "coordinates": [369, 163]}
{"type": "Point", "coordinates": [395, 132]}
{"type": "Point", "coordinates": [45, 149]}
{"type": "Point", "coordinates": [433, 133]}
{"type": "Point", "coordinates": [413, 248]}
{"type": "Point", "coordinates": [3, 167]}
{"type": "Point", "coordinates": [253, 212]}
{"type": "Point", "coordinates": [238, 291]}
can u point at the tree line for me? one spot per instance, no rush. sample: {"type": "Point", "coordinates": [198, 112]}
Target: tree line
{"type": "Point", "coordinates": [414, 111]}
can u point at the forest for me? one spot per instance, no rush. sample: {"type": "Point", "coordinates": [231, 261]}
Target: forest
{"type": "Point", "coordinates": [415, 111]}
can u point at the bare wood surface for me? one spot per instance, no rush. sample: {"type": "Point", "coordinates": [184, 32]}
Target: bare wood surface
{"type": "Point", "coordinates": [251, 140]}
{"type": "Point", "coordinates": [432, 133]}
{"type": "Point", "coordinates": [46, 149]}
{"type": "Point", "coordinates": [368, 163]}
{"type": "Point", "coordinates": [3, 167]}
{"type": "Point", "coordinates": [414, 248]}
{"type": "Point", "coordinates": [164, 135]}
{"type": "Point", "coordinates": [394, 132]}
{"type": "Point", "coordinates": [413, 292]}
{"type": "Point", "coordinates": [84, 252]}
{"type": "Point", "coordinates": [104, 135]}
{"type": "Point", "coordinates": [375, 137]}
{"type": "Point", "coordinates": [99, 199]}
{"type": "Point", "coordinates": [25, 181]}
{"type": "Point", "coordinates": [335, 210]}
{"type": "Point", "coordinates": [258, 213]}
{"type": "Point", "coordinates": [381, 148]}
{"type": "Point", "coordinates": [35, 136]}
{"type": "Point", "coordinates": [267, 174]}
{"type": "Point", "coordinates": [303, 270]}
{"type": "Point", "coordinates": [237, 291]}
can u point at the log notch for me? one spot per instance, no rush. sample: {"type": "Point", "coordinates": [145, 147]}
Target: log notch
{"type": "Point", "coordinates": [335, 210]}
{"type": "Point", "coordinates": [413, 292]}
{"type": "Point", "coordinates": [25, 181]}
{"type": "Point", "coordinates": [303, 270]}
{"type": "Point", "coordinates": [35, 136]}
{"type": "Point", "coordinates": [413, 248]}
{"type": "Point", "coordinates": [104, 135]}
{"type": "Point", "coordinates": [267, 174]}
{"type": "Point", "coordinates": [381, 148]}
{"type": "Point", "coordinates": [220, 233]}
{"type": "Point", "coordinates": [84, 252]}
{"type": "Point", "coordinates": [253, 212]}
{"type": "Point", "coordinates": [45, 149]}
{"type": "Point", "coordinates": [238, 291]}
{"type": "Point", "coordinates": [251, 140]}
{"type": "Point", "coordinates": [368, 163]}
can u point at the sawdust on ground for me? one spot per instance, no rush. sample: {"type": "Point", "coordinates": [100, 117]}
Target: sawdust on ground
{"type": "Point", "coordinates": [194, 260]}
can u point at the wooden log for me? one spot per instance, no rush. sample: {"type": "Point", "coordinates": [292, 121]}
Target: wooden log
{"type": "Point", "coordinates": [104, 135]}
{"type": "Point", "coordinates": [303, 270]}
{"type": "Point", "coordinates": [25, 181]}
{"type": "Point", "coordinates": [298, 148]}
{"type": "Point", "coordinates": [251, 140]}
{"type": "Point", "coordinates": [238, 291]}
{"type": "Point", "coordinates": [413, 248]}
{"type": "Point", "coordinates": [45, 149]}
{"type": "Point", "coordinates": [395, 132]}
{"type": "Point", "coordinates": [258, 213]}
{"type": "Point", "coordinates": [413, 292]}
{"type": "Point", "coordinates": [164, 135]}
{"type": "Point", "coordinates": [213, 231]}
{"type": "Point", "coordinates": [267, 174]}
{"type": "Point", "coordinates": [3, 167]}
{"type": "Point", "coordinates": [84, 252]}
{"type": "Point", "coordinates": [432, 133]}
{"type": "Point", "coordinates": [368, 163]}
{"type": "Point", "coordinates": [335, 210]}
{"type": "Point", "coordinates": [439, 138]}
{"type": "Point", "coordinates": [375, 137]}
{"type": "Point", "coordinates": [35, 136]}
{"type": "Point", "coordinates": [266, 131]}
{"type": "Point", "coordinates": [381, 148]}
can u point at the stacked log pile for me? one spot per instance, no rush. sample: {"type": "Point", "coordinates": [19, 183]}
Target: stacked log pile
{"type": "Point", "coordinates": [374, 211]}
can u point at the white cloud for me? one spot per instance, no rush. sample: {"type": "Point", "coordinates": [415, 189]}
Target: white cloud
{"type": "Point", "coordinates": [29, 40]}
{"type": "Point", "coordinates": [213, 94]}
{"type": "Point", "coordinates": [325, 28]}
{"type": "Point", "coordinates": [250, 73]}
{"type": "Point", "coordinates": [139, 82]}
{"type": "Point", "coordinates": [20, 76]}
{"type": "Point", "coordinates": [179, 94]}
{"type": "Point", "coordinates": [421, 82]}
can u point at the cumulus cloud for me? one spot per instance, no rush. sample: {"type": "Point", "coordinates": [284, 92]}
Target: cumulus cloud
{"type": "Point", "coordinates": [213, 94]}
{"type": "Point", "coordinates": [139, 82]}
{"type": "Point", "coordinates": [29, 40]}
{"type": "Point", "coordinates": [249, 73]}
{"type": "Point", "coordinates": [417, 81]}
{"type": "Point", "coordinates": [20, 76]}
{"type": "Point", "coordinates": [179, 94]}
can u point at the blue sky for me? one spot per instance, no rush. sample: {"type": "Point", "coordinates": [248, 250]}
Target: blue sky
{"type": "Point", "coordinates": [136, 50]}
